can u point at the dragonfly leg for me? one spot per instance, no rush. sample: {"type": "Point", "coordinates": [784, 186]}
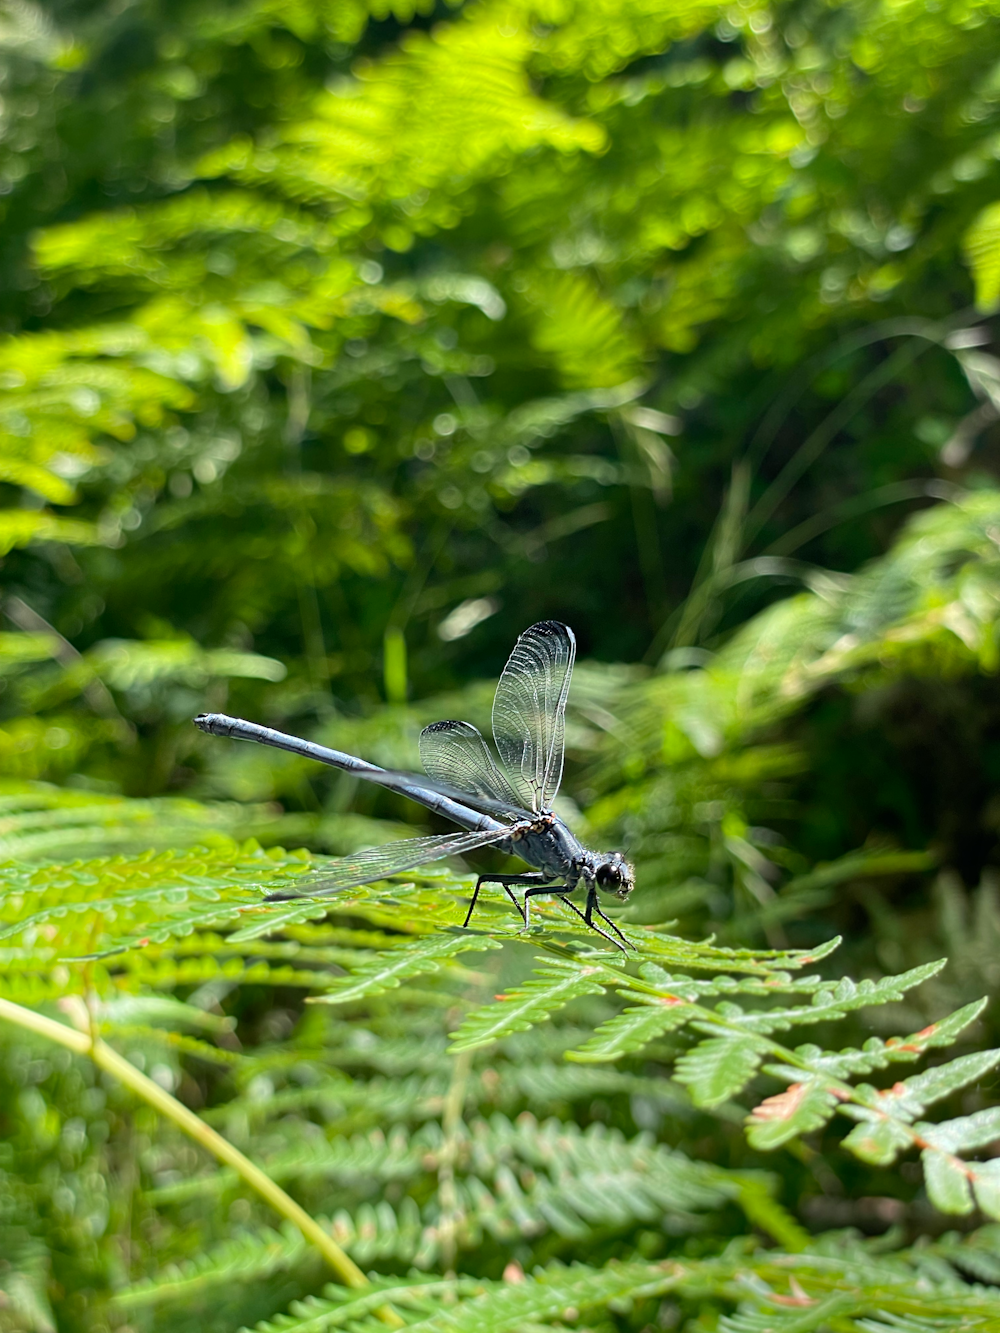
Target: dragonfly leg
{"type": "Point", "coordinates": [529, 877]}
{"type": "Point", "coordinates": [583, 917]}
{"type": "Point", "coordinates": [543, 888]}
{"type": "Point", "coordinates": [588, 916]}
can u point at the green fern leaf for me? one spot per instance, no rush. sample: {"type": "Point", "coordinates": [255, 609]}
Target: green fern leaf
{"type": "Point", "coordinates": [807, 1104]}
{"type": "Point", "coordinates": [344, 1307]}
{"type": "Point", "coordinates": [964, 1134]}
{"type": "Point", "coordinates": [501, 1306]}
{"type": "Point", "coordinates": [885, 1117]}
{"type": "Point", "coordinates": [878, 1054]}
{"type": "Point", "coordinates": [597, 1175]}
{"type": "Point", "coordinates": [841, 1000]}
{"type": "Point", "coordinates": [414, 958]}
{"type": "Point", "coordinates": [391, 1155]}
{"type": "Point", "coordinates": [545, 1083]}
{"type": "Point", "coordinates": [375, 1233]}
{"type": "Point", "coordinates": [717, 1069]}
{"type": "Point", "coordinates": [941, 1033]}
{"type": "Point", "coordinates": [705, 956]}
{"type": "Point", "coordinates": [985, 1180]}
{"type": "Point", "coordinates": [633, 1029]}
{"type": "Point", "coordinates": [773, 1319]}
{"type": "Point", "coordinates": [523, 1006]}
{"type": "Point", "coordinates": [877, 1141]}
{"type": "Point", "coordinates": [947, 1180]}
{"type": "Point", "coordinates": [258, 1255]}
{"type": "Point", "coordinates": [801, 1108]}
{"type": "Point", "coordinates": [951, 1181]}
{"type": "Point", "coordinates": [908, 1099]}
{"type": "Point", "coordinates": [145, 1037]}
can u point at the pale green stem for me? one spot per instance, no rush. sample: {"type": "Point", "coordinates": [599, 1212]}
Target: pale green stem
{"type": "Point", "coordinates": [109, 1060]}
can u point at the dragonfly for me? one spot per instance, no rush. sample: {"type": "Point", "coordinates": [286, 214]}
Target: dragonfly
{"type": "Point", "coordinates": [503, 800]}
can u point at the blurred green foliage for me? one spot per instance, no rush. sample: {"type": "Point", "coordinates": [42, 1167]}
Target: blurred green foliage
{"type": "Point", "coordinates": [339, 341]}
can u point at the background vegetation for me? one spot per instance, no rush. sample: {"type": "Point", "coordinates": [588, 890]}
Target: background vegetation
{"type": "Point", "coordinates": [340, 342]}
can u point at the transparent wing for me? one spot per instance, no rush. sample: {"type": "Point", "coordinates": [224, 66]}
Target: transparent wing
{"type": "Point", "coordinates": [529, 711]}
{"type": "Point", "coordinates": [456, 754]}
{"type": "Point", "coordinates": [378, 862]}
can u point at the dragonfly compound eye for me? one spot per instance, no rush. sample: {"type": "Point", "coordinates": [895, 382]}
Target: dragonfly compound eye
{"type": "Point", "coordinates": [615, 876]}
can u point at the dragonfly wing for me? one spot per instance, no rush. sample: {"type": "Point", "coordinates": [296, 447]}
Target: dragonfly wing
{"type": "Point", "coordinates": [377, 862]}
{"type": "Point", "coordinates": [456, 754]}
{"type": "Point", "coordinates": [529, 710]}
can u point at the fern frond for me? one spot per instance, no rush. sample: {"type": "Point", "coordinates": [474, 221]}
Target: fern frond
{"type": "Point", "coordinates": [148, 1038]}
{"type": "Point", "coordinates": [787, 1293]}
{"type": "Point", "coordinates": [40, 820]}
{"type": "Point", "coordinates": [386, 970]}
{"type": "Point", "coordinates": [632, 1030]}
{"type": "Point", "coordinates": [395, 1155]}
{"type": "Point", "coordinates": [687, 989]}
{"type": "Point", "coordinates": [737, 1043]}
{"type": "Point", "coordinates": [719, 1068]}
{"type": "Point", "coordinates": [594, 1176]}
{"type": "Point", "coordinates": [543, 1083]}
{"type": "Point", "coordinates": [524, 1006]}
{"type": "Point", "coordinates": [487, 1305]}
{"type": "Point", "coordinates": [341, 1307]}
{"type": "Point", "coordinates": [422, 1096]}
{"type": "Point", "coordinates": [542, 1177]}
{"type": "Point", "coordinates": [258, 1254]}
{"type": "Point", "coordinates": [376, 1234]}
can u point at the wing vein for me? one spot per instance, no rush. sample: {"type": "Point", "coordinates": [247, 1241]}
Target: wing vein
{"type": "Point", "coordinates": [529, 711]}
{"type": "Point", "coordinates": [391, 858]}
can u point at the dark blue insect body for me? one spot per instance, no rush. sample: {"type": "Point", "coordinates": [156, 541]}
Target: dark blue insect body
{"type": "Point", "coordinates": [507, 805]}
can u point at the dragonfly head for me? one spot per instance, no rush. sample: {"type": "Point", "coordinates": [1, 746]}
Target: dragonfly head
{"type": "Point", "coordinates": [615, 875]}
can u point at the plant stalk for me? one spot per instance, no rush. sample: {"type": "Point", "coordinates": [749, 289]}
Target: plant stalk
{"type": "Point", "coordinates": [109, 1060]}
